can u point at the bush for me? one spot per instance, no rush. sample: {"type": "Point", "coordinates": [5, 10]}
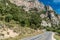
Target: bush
{"type": "Point", "coordinates": [58, 31]}
{"type": "Point", "coordinates": [1, 18]}
{"type": "Point", "coordinates": [8, 17]}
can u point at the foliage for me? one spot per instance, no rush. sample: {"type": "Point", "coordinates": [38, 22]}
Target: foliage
{"type": "Point", "coordinates": [29, 19]}
{"type": "Point", "coordinates": [13, 12]}
{"type": "Point", "coordinates": [8, 17]}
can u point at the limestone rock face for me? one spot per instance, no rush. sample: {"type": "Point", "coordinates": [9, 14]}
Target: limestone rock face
{"type": "Point", "coordinates": [29, 4]}
{"type": "Point", "coordinates": [42, 16]}
{"type": "Point", "coordinates": [7, 33]}
{"type": "Point", "coordinates": [50, 17]}
{"type": "Point", "coordinates": [45, 23]}
{"type": "Point", "coordinates": [59, 17]}
{"type": "Point", "coordinates": [50, 8]}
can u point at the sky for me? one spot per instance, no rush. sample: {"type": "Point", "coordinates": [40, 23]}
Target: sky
{"type": "Point", "coordinates": [55, 4]}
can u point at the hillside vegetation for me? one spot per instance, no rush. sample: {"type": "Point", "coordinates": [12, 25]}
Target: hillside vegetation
{"type": "Point", "coordinates": [10, 13]}
{"type": "Point", "coordinates": [19, 21]}
{"type": "Point", "coordinates": [16, 18]}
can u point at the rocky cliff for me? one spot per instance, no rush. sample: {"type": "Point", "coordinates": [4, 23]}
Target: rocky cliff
{"type": "Point", "coordinates": [50, 16]}
{"type": "Point", "coordinates": [28, 4]}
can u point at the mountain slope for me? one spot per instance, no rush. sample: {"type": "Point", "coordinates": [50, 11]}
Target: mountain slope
{"type": "Point", "coordinates": [29, 4]}
{"type": "Point", "coordinates": [33, 14]}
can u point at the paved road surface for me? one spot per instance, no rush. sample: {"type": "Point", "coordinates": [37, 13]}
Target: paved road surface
{"type": "Point", "coordinates": [44, 36]}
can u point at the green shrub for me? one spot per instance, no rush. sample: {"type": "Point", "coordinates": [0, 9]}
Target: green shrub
{"type": "Point", "coordinates": [8, 17]}
{"type": "Point", "coordinates": [1, 18]}
{"type": "Point", "coordinates": [58, 31]}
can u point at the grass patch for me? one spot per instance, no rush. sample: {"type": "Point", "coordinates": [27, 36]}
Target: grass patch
{"type": "Point", "coordinates": [57, 37]}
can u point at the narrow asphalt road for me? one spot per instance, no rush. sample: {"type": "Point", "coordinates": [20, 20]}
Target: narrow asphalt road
{"type": "Point", "coordinates": [44, 36]}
